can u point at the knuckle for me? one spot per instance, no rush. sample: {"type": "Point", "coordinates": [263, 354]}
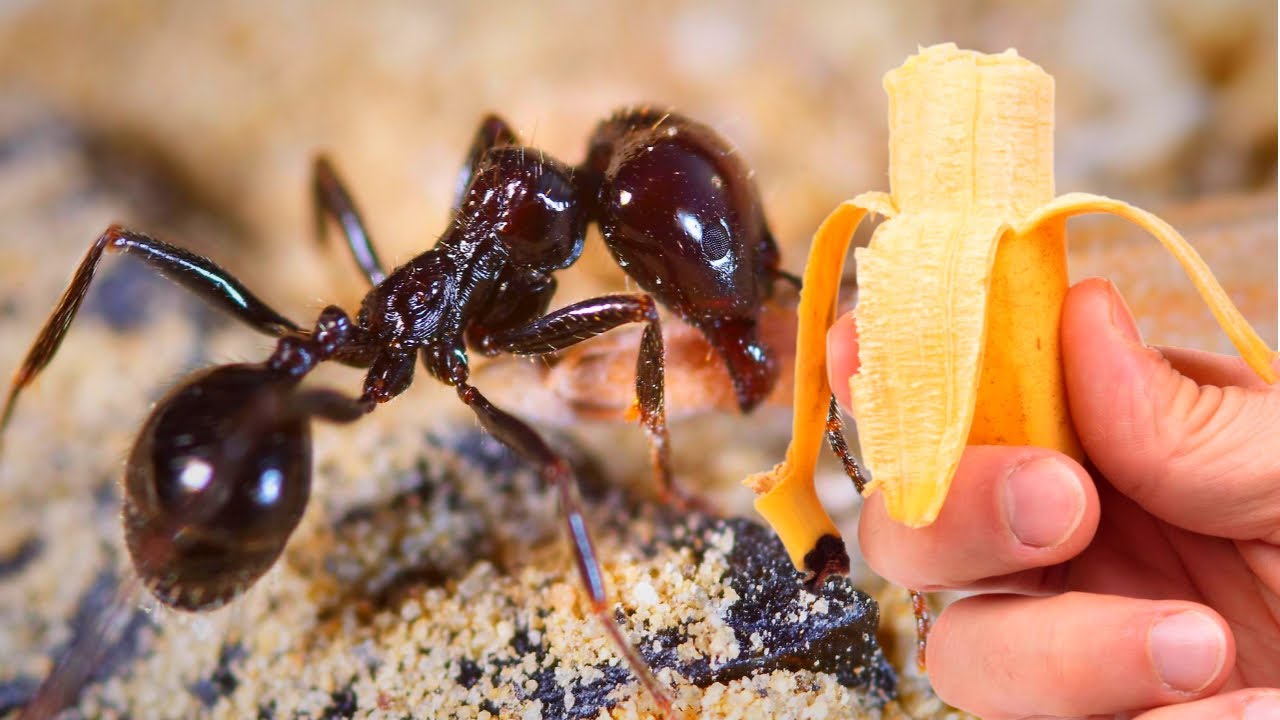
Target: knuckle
{"type": "Point", "coordinates": [1155, 432]}
{"type": "Point", "coordinates": [1210, 438]}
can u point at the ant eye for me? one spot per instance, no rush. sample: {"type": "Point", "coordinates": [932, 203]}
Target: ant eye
{"type": "Point", "coordinates": [215, 485]}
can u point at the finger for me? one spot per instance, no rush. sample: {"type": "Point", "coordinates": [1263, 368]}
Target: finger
{"type": "Point", "coordinates": [1005, 656]}
{"type": "Point", "coordinates": [1197, 456]}
{"type": "Point", "coordinates": [1207, 368]}
{"type": "Point", "coordinates": [842, 357]}
{"type": "Point", "coordinates": [1239, 705]}
{"type": "Point", "coordinates": [1009, 510]}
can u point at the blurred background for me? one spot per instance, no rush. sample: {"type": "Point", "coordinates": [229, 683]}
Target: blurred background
{"type": "Point", "coordinates": [217, 108]}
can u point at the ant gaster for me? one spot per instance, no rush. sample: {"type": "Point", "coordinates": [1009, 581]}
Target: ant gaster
{"type": "Point", "coordinates": [220, 473]}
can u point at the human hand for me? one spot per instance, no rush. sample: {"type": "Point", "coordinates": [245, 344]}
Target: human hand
{"type": "Point", "coordinates": [1154, 584]}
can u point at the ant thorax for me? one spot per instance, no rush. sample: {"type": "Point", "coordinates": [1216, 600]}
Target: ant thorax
{"type": "Point", "coordinates": [420, 304]}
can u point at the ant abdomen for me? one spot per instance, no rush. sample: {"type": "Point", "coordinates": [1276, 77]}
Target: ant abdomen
{"type": "Point", "coordinates": [216, 482]}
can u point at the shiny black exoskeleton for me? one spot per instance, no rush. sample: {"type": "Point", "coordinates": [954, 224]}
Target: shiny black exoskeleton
{"type": "Point", "coordinates": [679, 211]}
{"type": "Point", "coordinates": [212, 498]}
{"type": "Point", "coordinates": [220, 473]}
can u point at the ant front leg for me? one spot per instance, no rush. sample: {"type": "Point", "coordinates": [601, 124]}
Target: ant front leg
{"type": "Point", "coordinates": [517, 435]}
{"type": "Point", "coordinates": [492, 132]}
{"type": "Point", "coordinates": [196, 273]}
{"type": "Point", "coordinates": [571, 325]}
{"type": "Point", "coordinates": [331, 200]}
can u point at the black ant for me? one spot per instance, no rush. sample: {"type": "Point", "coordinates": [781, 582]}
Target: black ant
{"type": "Point", "coordinates": [220, 473]}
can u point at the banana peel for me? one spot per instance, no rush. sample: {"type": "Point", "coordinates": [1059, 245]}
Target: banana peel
{"type": "Point", "coordinates": [960, 293]}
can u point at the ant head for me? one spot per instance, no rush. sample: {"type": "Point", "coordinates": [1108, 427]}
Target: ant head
{"type": "Point", "coordinates": [217, 481]}
{"type": "Point", "coordinates": [680, 211]}
{"type": "Point", "coordinates": [530, 202]}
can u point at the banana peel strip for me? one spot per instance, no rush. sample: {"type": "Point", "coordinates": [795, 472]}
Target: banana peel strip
{"type": "Point", "coordinates": [1251, 346]}
{"type": "Point", "coordinates": [787, 498]}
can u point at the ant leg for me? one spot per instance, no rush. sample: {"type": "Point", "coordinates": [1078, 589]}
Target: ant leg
{"type": "Point", "coordinates": [919, 603]}
{"type": "Point", "coordinates": [193, 272]}
{"type": "Point", "coordinates": [525, 441]}
{"type": "Point", "coordinates": [331, 200]}
{"type": "Point", "coordinates": [331, 405]}
{"type": "Point", "coordinates": [835, 438]}
{"type": "Point", "coordinates": [582, 320]}
{"type": "Point", "coordinates": [768, 260]}
{"type": "Point", "coordinates": [920, 608]}
{"type": "Point", "coordinates": [790, 278]}
{"type": "Point", "coordinates": [389, 374]}
{"type": "Point", "coordinates": [493, 132]}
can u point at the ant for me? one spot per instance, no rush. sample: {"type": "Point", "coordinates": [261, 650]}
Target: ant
{"type": "Point", "coordinates": [220, 472]}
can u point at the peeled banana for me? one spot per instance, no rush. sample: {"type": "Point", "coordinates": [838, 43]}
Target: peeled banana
{"type": "Point", "coordinates": [960, 293]}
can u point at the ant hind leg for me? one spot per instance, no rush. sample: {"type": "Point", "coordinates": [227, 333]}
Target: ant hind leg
{"type": "Point", "coordinates": [331, 200]}
{"type": "Point", "coordinates": [194, 272]}
{"type": "Point", "coordinates": [525, 441]}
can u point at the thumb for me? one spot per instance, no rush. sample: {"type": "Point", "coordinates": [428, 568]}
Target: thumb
{"type": "Point", "coordinates": [842, 357]}
{"type": "Point", "coordinates": [1198, 456]}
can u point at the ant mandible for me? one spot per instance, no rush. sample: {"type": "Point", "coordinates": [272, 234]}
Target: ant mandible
{"type": "Point", "coordinates": [220, 473]}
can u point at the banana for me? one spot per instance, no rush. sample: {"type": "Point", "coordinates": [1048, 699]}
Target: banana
{"type": "Point", "coordinates": [960, 293]}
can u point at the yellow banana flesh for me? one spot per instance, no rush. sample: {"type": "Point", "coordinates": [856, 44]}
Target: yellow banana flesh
{"type": "Point", "coordinates": [960, 293]}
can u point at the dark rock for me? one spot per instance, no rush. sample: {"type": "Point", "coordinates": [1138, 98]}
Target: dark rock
{"type": "Point", "coordinates": [842, 641]}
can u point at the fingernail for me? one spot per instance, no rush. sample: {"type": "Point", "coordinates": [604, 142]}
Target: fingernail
{"type": "Point", "coordinates": [1121, 316]}
{"type": "Point", "coordinates": [1188, 650]}
{"type": "Point", "coordinates": [1263, 708]}
{"type": "Point", "coordinates": [1043, 502]}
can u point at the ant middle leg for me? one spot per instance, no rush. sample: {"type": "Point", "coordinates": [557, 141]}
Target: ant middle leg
{"type": "Point", "coordinates": [330, 199]}
{"type": "Point", "coordinates": [525, 441]}
{"type": "Point", "coordinates": [193, 272]}
{"type": "Point", "coordinates": [574, 323]}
